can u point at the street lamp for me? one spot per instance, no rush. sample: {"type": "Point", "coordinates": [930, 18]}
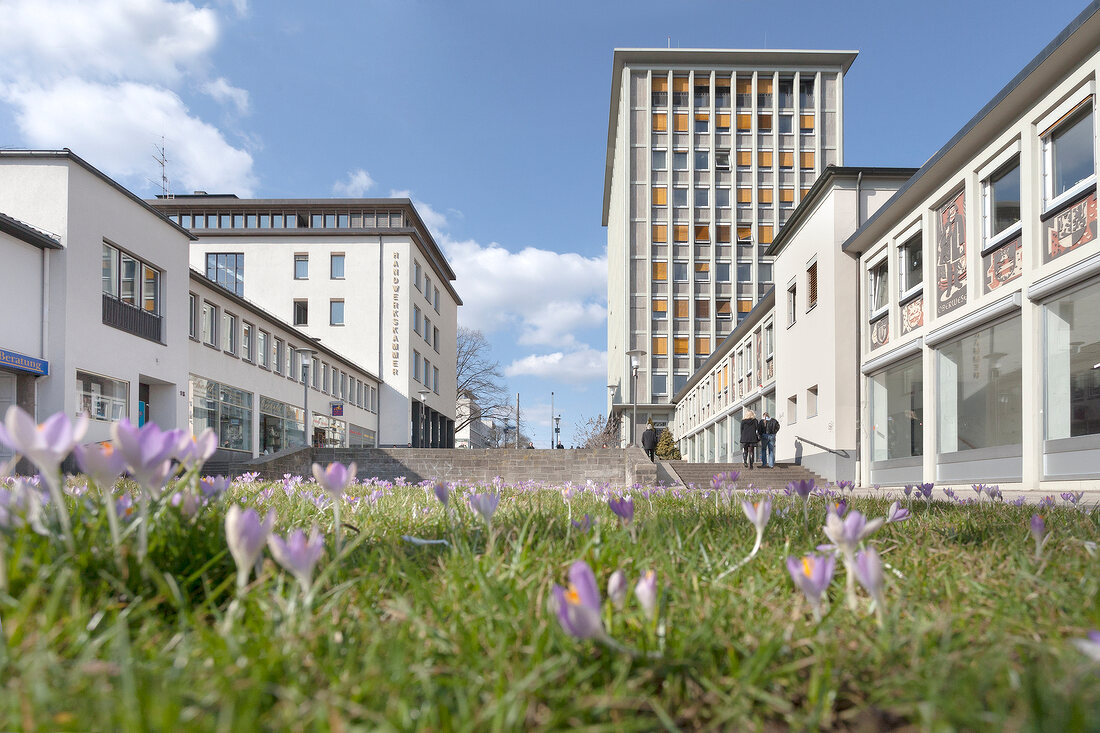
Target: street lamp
{"type": "Point", "coordinates": [557, 432]}
{"type": "Point", "coordinates": [423, 408]}
{"type": "Point", "coordinates": [306, 355]}
{"type": "Point", "coordinates": [611, 401]}
{"type": "Point", "coordinates": [635, 359]}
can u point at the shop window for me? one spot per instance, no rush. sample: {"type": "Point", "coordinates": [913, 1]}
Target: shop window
{"type": "Point", "coordinates": [897, 411]}
{"type": "Point", "coordinates": [103, 398]}
{"type": "Point", "coordinates": [1072, 363]}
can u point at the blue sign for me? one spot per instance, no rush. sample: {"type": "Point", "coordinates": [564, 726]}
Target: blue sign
{"type": "Point", "coordinates": [337, 409]}
{"type": "Point", "coordinates": [13, 360]}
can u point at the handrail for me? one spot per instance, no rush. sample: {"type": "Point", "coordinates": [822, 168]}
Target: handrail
{"type": "Point", "coordinates": [841, 453]}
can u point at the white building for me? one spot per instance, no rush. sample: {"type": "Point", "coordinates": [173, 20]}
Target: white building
{"type": "Point", "coordinates": [362, 276]}
{"type": "Point", "coordinates": [473, 431]}
{"type": "Point", "coordinates": [114, 322]}
{"type": "Point", "coordinates": [696, 183]}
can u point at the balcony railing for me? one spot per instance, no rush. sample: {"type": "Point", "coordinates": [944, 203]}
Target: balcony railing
{"type": "Point", "coordinates": [131, 319]}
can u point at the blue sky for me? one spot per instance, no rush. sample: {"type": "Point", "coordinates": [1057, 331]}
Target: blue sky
{"type": "Point", "coordinates": [492, 116]}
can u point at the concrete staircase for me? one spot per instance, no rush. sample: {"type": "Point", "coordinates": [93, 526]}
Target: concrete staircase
{"type": "Point", "coordinates": [701, 474]}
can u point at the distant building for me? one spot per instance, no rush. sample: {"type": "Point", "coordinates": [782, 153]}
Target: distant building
{"type": "Point", "coordinates": [475, 433]}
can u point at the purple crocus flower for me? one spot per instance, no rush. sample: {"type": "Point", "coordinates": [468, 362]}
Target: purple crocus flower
{"type": "Point", "coordinates": [847, 533]}
{"type": "Point", "coordinates": [994, 493]}
{"type": "Point", "coordinates": [246, 536]}
{"type": "Point", "coordinates": [214, 487]}
{"type": "Point", "coordinates": [101, 462]}
{"type": "Point", "coordinates": [1090, 645]}
{"type": "Point", "coordinates": [623, 508]}
{"type": "Point", "coordinates": [485, 504]}
{"type": "Point", "coordinates": [1046, 501]}
{"type": "Point", "coordinates": [724, 480]}
{"type": "Point", "coordinates": [907, 490]}
{"type": "Point", "coordinates": [147, 451]}
{"type": "Point", "coordinates": [1072, 496]}
{"type": "Point", "coordinates": [124, 507]}
{"type": "Point", "coordinates": [195, 450]}
{"type": "Point", "coordinates": [297, 554]}
{"type": "Point", "coordinates": [759, 513]}
{"type": "Point", "coordinates": [45, 445]}
{"type": "Point", "coordinates": [442, 492]}
{"type": "Point", "coordinates": [646, 593]}
{"type": "Point", "coordinates": [616, 588]}
{"type": "Point", "coordinates": [584, 524]}
{"type": "Point", "coordinates": [578, 606]}
{"type": "Point", "coordinates": [1018, 501]}
{"type": "Point", "coordinates": [812, 574]}
{"type": "Point", "coordinates": [802, 488]}
{"type": "Point", "coordinates": [926, 490]}
{"type": "Point", "coordinates": [838, 508]}
{"type": "Point", "coordinates": [897, 513]}
{"type": "Point", "coordinates": [188, 504]}
{"type": "Point", "coordinates": [869, 573]}
{"type": "Point", "coordinates": [335, 477]}
{"type": "Point", "coordinates": [1039, 533]}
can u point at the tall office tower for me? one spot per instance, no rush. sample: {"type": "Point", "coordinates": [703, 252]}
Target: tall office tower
{"type": "Point", "coordinates": [708, 153]}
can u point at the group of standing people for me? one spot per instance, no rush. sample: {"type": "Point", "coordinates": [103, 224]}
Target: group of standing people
{"type": "Point", "coordinates": [761, 431]}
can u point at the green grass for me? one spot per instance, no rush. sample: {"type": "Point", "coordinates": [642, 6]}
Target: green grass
{"type": "Point", "coordinates": [404, 637]}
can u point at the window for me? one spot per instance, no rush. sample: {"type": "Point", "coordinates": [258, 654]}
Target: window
{"type": "Point", "coordinates": [722, 163]}
{"type": "Point", "coordinates": [227, 270]}
{"type": "Point", "coordinates": [786, 93]}
{"type": "Point", "coordinates": [806, 93]}
{"type": "Point", "coordinates": [702, 124]}
{"type": "Point", "coordinates": [763, 92]}
{"type": "Point", "coordinates": [811, 401]}
{"type": "Point", "coordinates": [435, 339]}
{"type": "Point", "coordinates": [660, 384]}
{"type": "Point", "coordinates": [416, 320]}
{"type": "Point", "coordinates": [293, 365]}
{"type": "Point", "coordinates": [192, 315]}
{"type": "Point", "coordinates": [261, 348]}
{"type": "Point", "coordinates": [681, 308]}
{"type": "Point", "coordinates": [744, 272]}
{"type": "Point", "coordinates": [679, 271]}
{"type": "Point", "coordinates": [416, 274]}
{"type": "Point", "coordinates": [435, 379]}
{"type": "Point", "coordinates": [659, 91]}
{"type": "Point", "coordinates": [681, 97]}
{"type": "Point", "coordinates": [315, 372]}
{"type": "Point", "coordinates": [277, 355]}
{"type": "Point", "coordinates": [792, 410]}
{"type": "Point", "coordinates": [1002, 200]}
{"type": "Point", "coordinates": [101, 397]}
{"type": "Point", "coordinates": [1068, 154]}
{"type": "Point", "coordinates": [897, 411]}
{"type": "Point", "coordinates": [660, 233]}
{"type": "Point", "coordinates": [980, 389]}
{"type": "Point", "coordinates": [660, 160]}
{"type": "Point", "coordinates": [660, 271]}
{"type": "Point", "coordinates": [336, 312]}
{"type": "Point", "coordinates": [325, 378]}
{"type": "Point", "coordinates": [811, 288]}
{"type": "Point", "coordinates": [702, 94]}
{"type": "Point", "coordinates": [301, 313]}
{"type": "Point", "coordinates": [428, 330]}
{"type": "Point", "coordinates": [702, 197]}
{"type": "Point", "coordinates": [769, 341]}
{"type": "Point", "coordinates": [301, 267]}
{"type": "Point", "coordinates": [150, 290]}
{"type": "Point", "coordinates": [722, 272]}
{"type": "Point", "coordinates": [660, 122]}
{"type": "Point", "coordinates": [792, 300]}
{"type": "Point", "coordinates": [702, 271]}
{"type": "Point", "coordinates": [764, 272]}
{"type": "Point", "coordinates": [435, 299]}
{"type": "Point", "coordinates": [679, 160]}
{"type": "Point", "coordinates": [1072, 351]}
{"type": "Point", "coordinates": [681, 345]}
{"type": "Point", "coordinates": [660, 309]}
{"type": "Point", "coordinates": [911, 266]}
{"type": "Point", "coordinates": [679, 196]}
{"type": "Point", "coordinates": [660, 346]}
{"type": "Point", "coordinates": [229, 333]}
{"type": "Point", "coordinates": [209, 324]}
{"type": "Point", "coordinates": [336, 267]}
{"type": "Point", "coordinates": [880, 287]}
{"type": "Point", "coordinates": [416, 365]}
{"type": "Point", "coordinates": [224, 409]}
{"type": "Point", "coordinates": [110, 271]}
{"type": "Point", "coordinates": [702, 309]}
{"type": "Point", "coordinates": [702, 160]}
{"type": "Point", "coordinates": [246, 341]}
{"type": "Point", "coordinates": [427, 285]}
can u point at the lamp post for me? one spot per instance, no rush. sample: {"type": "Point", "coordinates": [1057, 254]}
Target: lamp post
{"type": "Point", "coordinates": [635, 359]}
{"type": "Point", "coordinates": [611, 401]}
{"type": "Point", "coordinates": [423, 407]}
{"type": "Point", "coordinates": [306, 356]}
{"type": "Point", "coordinates": [552, 443]}
{"type": "Point", "coordinates": [557, 432]}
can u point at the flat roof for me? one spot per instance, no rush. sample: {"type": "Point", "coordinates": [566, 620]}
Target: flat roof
{"type": "Point", "coordinates": [314, 343]}
{"type": "Point", "coordinates": [1055, 60]}
{"type": "Point", "coordinates": [710, 58]}
{"type": "Point", "coordinates": [27, 233]}
{"type": "Point", "coordinates": [66, 154]}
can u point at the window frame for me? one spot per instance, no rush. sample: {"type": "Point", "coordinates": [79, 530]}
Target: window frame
{"type": "Point", "coordinates": [998, 168]}
{"type": "Point", "coordinates": [331, 314]}
{"type": "Point", "coordinates": [301, 258]}
{"type": "Point", "coordinates": [332, 258]}
{"type": "Point", "coordinates": [907, 291]}
{"type": "Point", "coordinates": [873, 314]}
{"type": "Point", "coordinates": [1073, 111]}
{"type": "Point", "coordinates": [294, 314]}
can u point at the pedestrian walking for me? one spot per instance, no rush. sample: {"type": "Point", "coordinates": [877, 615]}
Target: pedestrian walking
{"type": "Point", "coordinates": [649, 441]}
{"type": "Point", "coordinates": [769, 426]}
{"type": "Point", "coordinates": [750, 436]}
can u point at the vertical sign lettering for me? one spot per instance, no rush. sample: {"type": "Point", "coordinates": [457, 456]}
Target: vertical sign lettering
{"type": "Point", "coordinates": [395, 344]}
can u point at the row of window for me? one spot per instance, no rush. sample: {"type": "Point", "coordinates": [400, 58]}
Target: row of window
{"type": "Point", "coordinates": [221, 329]}
{"type": "Point", "coordinates": [423, 283]}
{"type": "Point", "coordinates": [721, 197]}
{"type": "Point", "coordinates": [764, 122]}
{"type": "Point", "coordinates": [289, 220]}
{"type": "Point", "coordinates": [722, 160]}
{"type": "Point", "coordinates": [424, 372]}
{"type": "Point", "coordinates": [722, 271]}
{"type": "Point", "coordinates": [682, 233]}
{"type": "Point", "coordinates": [335, 312]}
{"type": "Point", "coordinates": [301, 266]}
{"type": "Point", "coordinates": [430, 332]}
{"type": "Point", "coordinates": [684, 94]}
{"type": "Point", "coordinates": [129, 280]}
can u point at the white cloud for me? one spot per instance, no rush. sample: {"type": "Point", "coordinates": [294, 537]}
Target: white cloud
{"type": "Point", "coordinates": [115, 127]}
{"type": "Point", "coordinates": [356, 186]}
{"type": "Point", "coordinates": [222, 91]}
{"type": "Point", "coordinates": [548, 295]}
{"type": "Point", "coordinates": [142, 40]}
{"type": "Point", "coordinates": [435, 221]}
{"type": "Point", "coordinates": [240, 6]}
{"type": "Point", "coordinates": [574, 367]}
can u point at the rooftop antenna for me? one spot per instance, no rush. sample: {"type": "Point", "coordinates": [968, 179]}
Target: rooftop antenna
{"type": "Point", "coordinates": [669, 39]}
{"type": "Point", "coordinates": [162, 159]}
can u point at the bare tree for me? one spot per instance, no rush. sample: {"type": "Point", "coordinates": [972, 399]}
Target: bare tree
{"type": "Point", "coordinates": [596, 432]}
{"type": "Point", "coordinates": [480, 379]}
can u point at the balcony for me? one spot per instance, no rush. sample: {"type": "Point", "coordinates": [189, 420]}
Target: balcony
{"type": "Point", "coordinates": [131, 319]}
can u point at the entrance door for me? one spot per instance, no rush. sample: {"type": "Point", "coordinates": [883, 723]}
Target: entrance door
{"type": "Point", "coordinates": [7, 399]}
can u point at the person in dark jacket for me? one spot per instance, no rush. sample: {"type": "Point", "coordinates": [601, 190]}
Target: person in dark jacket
{"type": "Point", "coordinates": [769, 426]}
{"type": "Point", "coordinates": [750, 436]}
{"type": "Point", "coordinates": [649, 440]}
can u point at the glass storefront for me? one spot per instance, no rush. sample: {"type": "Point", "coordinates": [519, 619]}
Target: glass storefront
{"type": "Point", "coordinates": [329, 432]}
{"type": "Point", "coordinates": [1072, 363]}
{"type": "Point", "coordinates": [281, 425]}
{"type": "Point", "coordinates": [897, 411]}
{"type": "Point", "coordinates": [980, 384]}
{"type": "Point", "coordinates": [101, 397]}
{"type": "Point", "coordinates": [360, 437]}
{"type": "Point", "coordinates": [227, 410]}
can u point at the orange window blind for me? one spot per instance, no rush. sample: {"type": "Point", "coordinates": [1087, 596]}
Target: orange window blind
{"type": "Point", "coordinates": [659, 84]}
{"type": "Point", "coordinates": [807, 122]}
{"type": "Point", "coordinates": [681, 123]}
{"type": "Point", "coordinates": [744, 306]}
{"type": "Point", "coordinates": [804, 192]}
{"type": "Point", "coordinates": [786, 195]}
{"type": "Point", "coordinates": [721, 81]}
{"type": "Point", "coordinates": [660, 123]}
{"type": "Point", "coordinates": [744, 122]}
{"type": "Point", "coordinates": [744, 195]}
{"type": "Point", "coordinates": [722, 307]}
{"type": "Point", "coordinates": [723, 121]}
{"type": "Point", "coordinates": [702, 309]}
{"type": "Point", "coordinates": [680, 84]}
{"type": "Point", "coordinates": [765, 195]}
{"type": "Point", "coordinates": [765, 234]}
{"type": "Point", "coordinates": [702, 344]}
{"type": "Point", "coordinates": [786, 159]}
{"type": "Point", "coordinates": [660, 233]}
{"type": "Point", "coordinates": [660, 196]}
{"type": "Point", "coordinates": [744, 232]}
{"type": "Point", "coordinates": [660, 305]}
{"type": "Point", "coordinates": [702, 233]}
{"type": "Point", "coordinates": [681, 309]}
{"type": "Point", "coordinates": [702, 267]}
{"type": "Point", "coordinates": [764, 122]}
{"type": "Point", "coordinates": [764, 159]}
{"type": "Point", "coordinates": [660, 271]}
{"type": "Point", "coordinates": [744, 157]}
{"type": "Point", "coordinates": [680, 233]}
{"type": "Point", "coordinates": [660, 346]}
{"type": "Point", "coordinates": [807, 159]}
{"type": "Point", "coordinates": [680, 345]}
{"type": "Point", "coordinates": [724, 233]}
{"type": "Point", "coordinates": [744, 86]}
{"type": "Point", "coordinates": [702, 117]}
{"type": "Point", "coordinates": [764, 86]}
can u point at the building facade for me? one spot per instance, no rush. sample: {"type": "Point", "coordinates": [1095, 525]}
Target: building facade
{"type": "Point", "coordinates": [474, 431]}
{"type": "Point", "coordinates": [361, 276]}
{"type": "Point", "coordinates": [708, 154]}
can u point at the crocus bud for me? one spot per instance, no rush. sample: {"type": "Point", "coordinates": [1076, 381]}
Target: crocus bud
{"type": "Point", "coordinates": [616, 588]}
{"type": "Point", "coordinates": [646, 593]}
